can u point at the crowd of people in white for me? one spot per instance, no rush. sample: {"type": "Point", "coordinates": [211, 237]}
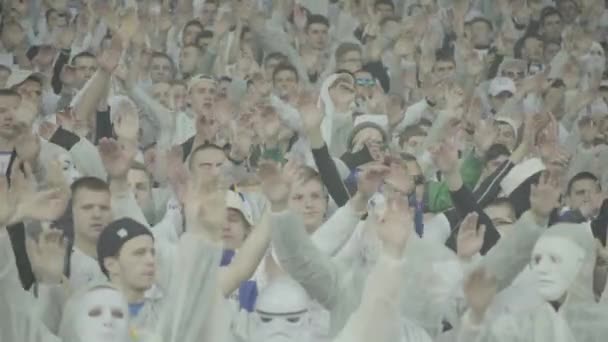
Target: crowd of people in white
{"type": "Point", "coordinates": [303, 170]}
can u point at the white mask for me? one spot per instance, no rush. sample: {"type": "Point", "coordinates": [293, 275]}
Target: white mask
{"type": "Point", "coordinates": [282, 313]}
{"type": "Point", "coordinates": [556, 262]}
{"type": "Point", "coordinates": [102, 316]}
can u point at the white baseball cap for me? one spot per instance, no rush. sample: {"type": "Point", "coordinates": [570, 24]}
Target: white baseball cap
{"type": "Point", "coordinates": [238, 202]}
{"type": "Point", "coordinates": [19, 76]}
{"type": "Point", "coordinates": [501, 84]}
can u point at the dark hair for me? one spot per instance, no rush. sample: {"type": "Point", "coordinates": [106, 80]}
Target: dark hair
{"type": "Point", "coordinates": [495, 151]}
{"type": "Point", "coordinates": [410, 131]}
{"type": "Point", "coordinates": [548, 12]}
{"type": "Point", "coordinates": [501, 201]}
{"type": "Point", "coordinates": [84, 54]}
{"type": "Point", "coordinates": [275, 55]}
{"type": "Point", "coordinates": [285, 67]}
{"type": "Point", "coordinates": [204, 34]}
{"type": "Point", "coordinates": [204, 147]}
{"type": "Point", "coordinates": [194, 22]}
{"type": "Point", "coordinates": [316, 19]}
{"type": "Point", "coordinates": [385, 20]}
{"type": "Point", "coordinates": [158, 54]}
{"type": "Point", "coordinates": [444, 55]}
{"type": "Point", "coordinates": [519, 46]}
{"type": "Point", "coordinates": [384, 2]}
{"type": "Point", "coordinates": [345, 48]}
{"type": "Point", "coordinates": [425, 122]}
{"type": "Point", "coordinates": [9, 92]}
{"type": "Point", "coordinates": [89, 183]}
{"type": "Point", "coordinates": [579, 177]}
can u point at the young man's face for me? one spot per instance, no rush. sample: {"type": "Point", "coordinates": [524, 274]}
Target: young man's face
{"type": "Point", "coordinates": [8, 109]}
{"type": "Point", "coordinates": [505, 135]}
{"type": "Point", "coordinates": [57, 20]}
{"type": "Point", "coordinates": [514, 72]}
{"type": "Point", "coordinates": [190, 33]}
{"type": "Point", "coordinates": [188, 59]}
{"type": "Point", "coordinates": [481, 34]}
{"type": "Point", "coordinates": [234, 230]}
{"type": "Point", "coordinates": [178, 93]}
{"type": "Point", "coordinates": [270, 65]}
{"type": "Point", "coordinates": [309, 201]}
{"type": "Point", "coordinates": [162, 92]}
{"type": "Point", "coordinates": [141, 186]}
{"type": "Point", "coordinates": [136, 264]}
{"type": "Point", "coordinates": [581, 193]}
{"type": "Point", "coordinates": [350, 61]}
{"type": "Point", "coordinates": [443, 70]}
{"type": "Point", "coordinates": [569, 10]}
{"type": "Point", "coordinates": [552, 27]}
{"type": "Point", "coordinates": [318, 36]}
{"type": "Point", "coordinates": [160, 70]}
{"type": "Point", "coordinates": [492, 165]}
{"type": "Point", "coordinates": [502, 217]}
{"type": "Point", "coordinates": [12, 35]}
{"type": "Point", "coordinates": [384, 10]}
{"type": "Point", "coordinates": [285, 84]}
{"type": "Point", "coordinates": [202, 96]}
{"type": "Point", "coordinates": [533, 50]}
{"type": "Point", "coordinates": [208, 163]}
{"type": "Point", "coordinates": [364, 85]}
{"type": "Point", "coordinates": [208, 13]}
{"type": "Point", "coordinates": [31, 91]}
{"type": "Point", "coordinates": [85, 69]}
{"type": "Point", "coordinates": [91, 212]}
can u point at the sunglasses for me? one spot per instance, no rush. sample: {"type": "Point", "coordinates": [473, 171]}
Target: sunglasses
{"type": "Point", "coordinates": [365, 82]}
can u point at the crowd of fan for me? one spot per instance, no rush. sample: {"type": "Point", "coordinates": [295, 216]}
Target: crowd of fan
{"type": "Point", "coordinates": [303, 170]}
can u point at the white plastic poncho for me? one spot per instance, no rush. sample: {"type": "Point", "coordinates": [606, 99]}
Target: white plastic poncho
{"type": "Point", "coordinates": [578, 319]}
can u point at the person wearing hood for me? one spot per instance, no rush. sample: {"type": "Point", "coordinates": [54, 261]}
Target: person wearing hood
{"type": "Point", "coordinates": [562, 263]}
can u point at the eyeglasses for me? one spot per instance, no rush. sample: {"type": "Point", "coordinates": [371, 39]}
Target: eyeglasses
{"type": "Point", "coordinates": [365, 82]}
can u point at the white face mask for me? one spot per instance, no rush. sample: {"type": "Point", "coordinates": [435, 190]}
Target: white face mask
{"type": "Point", "coordinates": [102, 316]}
{"type": "Point", "coordinates": [556, 263]}
{"type": "Point", "coordinates": [282, 313]}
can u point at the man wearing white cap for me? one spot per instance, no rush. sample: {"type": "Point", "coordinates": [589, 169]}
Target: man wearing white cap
{"type": "Point", "coordinates": [28, 84]}
{"type": "Point", "coordinates": [501, 89]}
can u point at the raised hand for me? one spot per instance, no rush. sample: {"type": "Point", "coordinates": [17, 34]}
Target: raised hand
{"type": "Point", "coordinates": [47, 254]}
{"type": "Point", "coordinates": [370, 178]}
{"type": "Point", "coordinates": [394, 226]}
{"type": "Point", "coordinates": [484, 136]}
{"type": "Point", "coordinates": [205, 207]}
{"type": "Point", "coordinates": [445, 157]}
{"type": "Point", "coordinates": [27, 144]}
{"type": "Point", "coordinates": [110, 58]}
{"type": "Point", "coordinates": [470, 239]}
{"type": "Point", "coordinates": [116, 156]}
{"type": "Point", "coordinates": [544, 196]}
{"type": "Point", "coordinates": [276, 182]}
{"type": "Point", "coordinates": [479, 290]}
{"type": "Point", "coordinates": [177, 173]}
{"type": "Point", "coordinates": [310, 113]}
